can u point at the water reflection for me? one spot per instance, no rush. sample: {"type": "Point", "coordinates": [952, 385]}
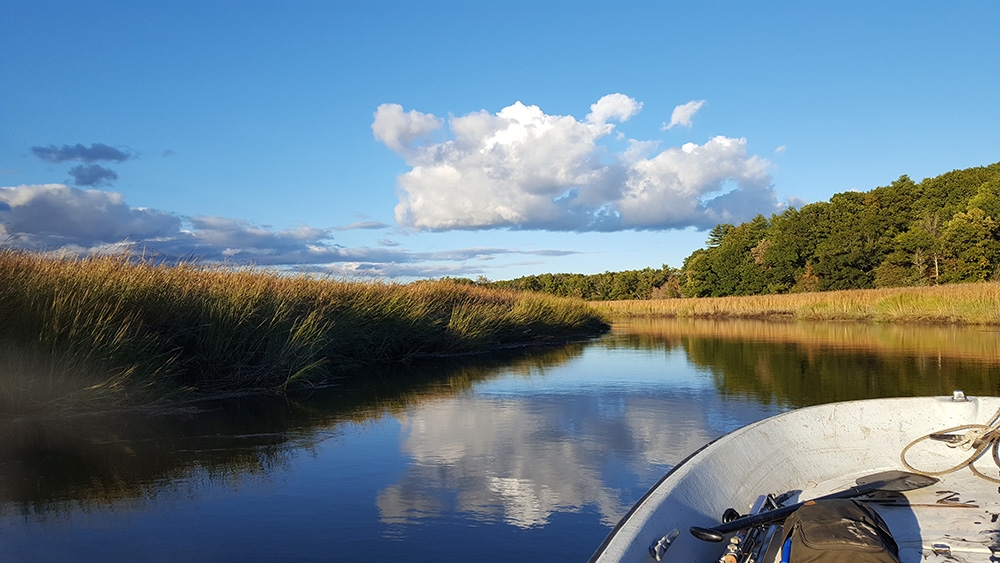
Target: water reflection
{"type": "Point", "coordinates": [520, 462]}
{"type": "Point", "coordinates": [503, 456]}
{"type": "Point", "coordinates": [803, 363]}
{"type": "Point", "coordinates": [506, 460]}
{"type": "Point", "coordinates": [63, 461]}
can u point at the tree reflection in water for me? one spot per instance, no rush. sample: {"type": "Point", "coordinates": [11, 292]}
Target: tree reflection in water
{"type": "Point", "coordinates": [507, 454]}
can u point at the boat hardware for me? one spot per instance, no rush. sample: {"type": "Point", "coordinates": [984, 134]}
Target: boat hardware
{"type": "Point", "coordinates": [884, 481]}
{"type": "Point", "coordinates": [747, 545]}
{"type": "Point", "coordinates": [731, 514]}
{"type": "Point", "coordinates": [941, 549]}
{"type": "Point", "coordinates": [660, 547]}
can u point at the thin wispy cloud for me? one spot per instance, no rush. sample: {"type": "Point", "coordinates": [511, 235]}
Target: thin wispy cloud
{"type": "Point", "coordinates": [524, 169]}
{"type": "Point", "coordinates": [683, 114]}
{"type": "Point", "coordinates": [398, 270]}
{"type": "Point", "coordinates": [489, 252]}
{"type": "Point", "coordinates": [362, 225]}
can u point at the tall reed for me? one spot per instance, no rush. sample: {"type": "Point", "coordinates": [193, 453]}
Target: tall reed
{"type": "Point", "coordinates": [160, 328]}
{"type": "Point", "coordinates": [973, 303]}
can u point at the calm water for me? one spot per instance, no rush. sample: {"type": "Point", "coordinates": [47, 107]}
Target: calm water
{"type": "Point", "coordinates": [532, 456]}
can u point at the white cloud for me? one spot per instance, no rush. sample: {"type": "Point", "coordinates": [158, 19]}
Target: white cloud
{"type": "Point", "coordinates": [710, 183]}
{"type": "Point", "coordinates": [683, 114]}
{"type": "Point", "coordinates": [522, 168]}
{"type": "Point", "coordinates": [613, 106]}
{"type": "Point", "coordinates": [398, 129]}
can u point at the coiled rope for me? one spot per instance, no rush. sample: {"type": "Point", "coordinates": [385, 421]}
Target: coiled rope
{"type": "Point", "coordinates": [977, 437]}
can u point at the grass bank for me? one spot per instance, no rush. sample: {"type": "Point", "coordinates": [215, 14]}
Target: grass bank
{"type": "Point", "coordinates": [974, 304]}
{"type": "Point", "coordinates": [122, 325]}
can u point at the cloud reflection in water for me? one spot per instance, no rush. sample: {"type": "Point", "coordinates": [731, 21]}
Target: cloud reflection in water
{"type": "Point", "coordinates": [521, 461]}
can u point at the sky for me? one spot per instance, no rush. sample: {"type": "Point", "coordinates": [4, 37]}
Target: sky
{"type": "Point", "coordinates": [407, 140]}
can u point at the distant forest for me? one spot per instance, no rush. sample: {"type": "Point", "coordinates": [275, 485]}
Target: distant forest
{"type": "Point", "coordinates": [941, 230]}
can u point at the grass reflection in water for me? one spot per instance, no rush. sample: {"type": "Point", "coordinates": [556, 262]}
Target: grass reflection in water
{"type": "Point", "coordinates": [799, 363]}
{"type": "Point", "coordinates": [53, 462]}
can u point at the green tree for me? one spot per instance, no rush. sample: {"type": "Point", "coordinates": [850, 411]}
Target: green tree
{"type": "Point", "coordinates": [949, 193]}
{"type": "Point", "coordinates": [969, 247]}
{"type": "Point", "coordinates": [987, 198]}
{"type": "Point", "coordinates": [736, 264]}
{"type": "Point", "coordinates": [843, 260]}
{"type": "Point", "coordinates": [698, 277]}
{"type": "Point", "coordinates": [792, 238]}
{"type": "Point", "coordinates": [916, 256]}
{"type": "Point", "coordinates": [862, 234]}
{"type": "Point", "coordinates": [718, 234]}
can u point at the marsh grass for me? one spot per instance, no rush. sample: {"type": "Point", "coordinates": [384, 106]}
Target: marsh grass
{"type": "Point", "coordinates": [153, 329]}
{"type": "Point", "coordinates": [974, 304]}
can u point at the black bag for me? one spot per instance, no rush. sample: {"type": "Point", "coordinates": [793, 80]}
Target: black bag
{"type": "Point", "coordinates": [837, 531]}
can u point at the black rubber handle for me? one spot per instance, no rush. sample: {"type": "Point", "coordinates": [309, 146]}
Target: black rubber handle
{"type": "Point", "coordinates": [887, 481]}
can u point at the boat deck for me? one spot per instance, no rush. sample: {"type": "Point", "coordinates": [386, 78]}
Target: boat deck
{"type": "Point", "coordinates": [821, 450]}
{"type": "Point", "coordinates": [955, 520]}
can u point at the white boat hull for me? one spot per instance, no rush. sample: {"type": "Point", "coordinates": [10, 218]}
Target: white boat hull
{"type": "Point", "coordinates": [818, 450]}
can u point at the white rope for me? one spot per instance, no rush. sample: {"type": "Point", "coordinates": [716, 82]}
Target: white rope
{"type": "Point", "coordinates": [978, 437]}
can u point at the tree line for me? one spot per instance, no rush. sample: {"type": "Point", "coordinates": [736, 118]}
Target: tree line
{"type": "Point", "coordinates": [648, 283]}
{"type": "Point", "coordinates": [941, 230]}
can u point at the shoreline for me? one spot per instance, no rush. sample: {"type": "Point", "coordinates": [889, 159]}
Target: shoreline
{"type": "Point", "coordinates": [964, 304]}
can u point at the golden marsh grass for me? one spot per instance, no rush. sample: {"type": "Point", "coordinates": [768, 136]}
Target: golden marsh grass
{"type": "Point", "coordinates": [157, 328]}
{"type": "Point", "coordinates": [973, 304]}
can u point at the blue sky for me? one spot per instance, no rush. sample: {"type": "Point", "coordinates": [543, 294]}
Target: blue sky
{"type": "Point", "coordinates": [498, 139]}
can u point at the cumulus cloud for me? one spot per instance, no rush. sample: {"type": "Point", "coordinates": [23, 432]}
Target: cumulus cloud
{"type": "Point", "coordinates": [683, 114]}
{"type": "Point", "coordinates": [56, 217]}
{"type": "Point", "coordinates": [92, 175]}
{"type": "Point", "coordinates": [399, 129]}
{"type": "Point", "coordinates": [94, 153]}
{"type": "Point", "coordinates": [522, 168]}
{"type": "Point", "coordinates": [613, 106]}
